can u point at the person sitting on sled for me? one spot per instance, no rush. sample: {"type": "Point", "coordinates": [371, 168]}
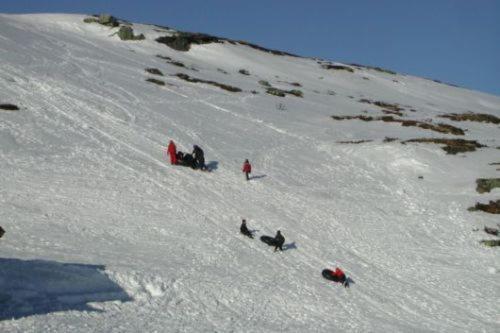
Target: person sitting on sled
{"type": "Point", "coordinates": [244, 229]}
{"type": "Point", "coordinates": [339, 276]}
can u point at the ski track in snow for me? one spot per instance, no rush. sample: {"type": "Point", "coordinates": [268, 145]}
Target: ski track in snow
{"type": "Point", "coordinates": [85, 180]}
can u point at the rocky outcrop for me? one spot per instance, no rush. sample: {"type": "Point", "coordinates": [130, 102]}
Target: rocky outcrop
{"type": "Point", "coordinates": [487, 184]}
{"type": "Point", "coordinates": [127, 33]}
{"type": "Point", "coordinates": [9, 107]}
{"type": "Point", "coordinates": [104, 19]}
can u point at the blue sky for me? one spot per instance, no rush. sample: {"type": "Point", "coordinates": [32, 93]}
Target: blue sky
{"type": "Point", "coordinates": [452, 41]}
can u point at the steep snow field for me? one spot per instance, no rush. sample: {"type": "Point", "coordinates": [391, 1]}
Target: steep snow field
{"type": "Point", "coordinates": [103, 235]}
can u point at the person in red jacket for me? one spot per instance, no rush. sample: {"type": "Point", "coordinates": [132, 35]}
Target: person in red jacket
{"type": "Point", "coordinates": [247, 168]}
{"type": "Point", "coordinates": [172, 151]}
{"type": "Point", "coordinates": [339, 276]}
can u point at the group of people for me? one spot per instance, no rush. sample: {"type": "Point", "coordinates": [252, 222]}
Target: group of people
{"type": "Point", "coordinates": [277, 241]}
{"type": "Point", "coordinates": [195, 160]}
{"type": "Point", "coordinates": [336, 275]}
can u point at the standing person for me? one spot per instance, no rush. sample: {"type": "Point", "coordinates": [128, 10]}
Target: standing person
{"type": "Point", "coordinates": [172, 151]}
{"type": "Point", "coordinates": [247, 168]}
{"type": "Point", "coordinates": [2, 232]}
{"type": "Point", "coordinates": [279, 241]}
{"type": "Point", "coordinates": [244, 230]}
{"type": "Point", "coordinates": [199, 157]}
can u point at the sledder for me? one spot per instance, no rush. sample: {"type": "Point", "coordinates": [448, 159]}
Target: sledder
{"type": "Point", "coordinates": [244, 229]}
{"type": "Point", "coordinates": [336, 276]}
{"type": "Point", "coordinates": [276, 241]}
{"type": "Point", "coordinates": [186, 160]}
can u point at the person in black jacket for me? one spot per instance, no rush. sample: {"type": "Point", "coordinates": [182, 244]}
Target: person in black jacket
{"type": "Point", "coordinates": [188, 160]}
{"type": "Point", "coordinates": [244, 230]}
{"type": "Point", "coordinates": [2, 232]}
{"type": "Point", "coordinates": [199, 157]}
{"type": "Point", "coordinates": [279, 241]}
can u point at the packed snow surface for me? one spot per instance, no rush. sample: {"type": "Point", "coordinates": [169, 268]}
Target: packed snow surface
{"type": "Point", "coordinates": [104, 235]}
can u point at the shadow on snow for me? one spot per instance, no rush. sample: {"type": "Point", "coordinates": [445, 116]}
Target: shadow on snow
{"type": "Point", "coordinates": [256, 177]}
{"type": "Point", "coordinates": [212, 165]}
{"type": "Point", "coordinates": [33, 287]}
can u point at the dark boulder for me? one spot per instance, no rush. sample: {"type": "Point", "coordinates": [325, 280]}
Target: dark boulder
{"type": "Point", "coordinates": [127, 33]}
{"type": "Point", "coordinates": [182, 41]}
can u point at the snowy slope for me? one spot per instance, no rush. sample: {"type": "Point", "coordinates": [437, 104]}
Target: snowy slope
{"type": "Point", "coordinates": [103, 235]}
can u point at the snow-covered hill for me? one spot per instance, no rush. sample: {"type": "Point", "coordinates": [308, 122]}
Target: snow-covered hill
{"type": "Point", "coordinates": [104, 235]}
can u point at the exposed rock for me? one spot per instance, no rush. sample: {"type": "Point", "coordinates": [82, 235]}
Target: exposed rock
{"type": "Point", "coordinates": [106, 19]}
{"type": "Point", "coordinates": [260, 48]}
{"type": "Point", "coordinates": [295, 92]}
{"type": "Point", "coordinates": [356, 141]}
{"type": "Point", "coordinates": [182, 41]}
{"type": "Point", "coordinates": [154, 71]}
{"type": "Point", "coordinates": [282, 93]}
{"type": "Point", "coordinates": [491, 231]}
{"type": "Point", "coordinates": [156, 81]}
{"type": "Point", "coordinates": [176, 63]}
{"type": "Point", "coordinates": [360, 117]}
{"type": "Point", "coordinates": [264, 83]}
{"type": "Point", "coordinates": [478, 117]}
{"type": "Point", "coordinates": [493, 207]}
{"type": "Point", "coordinates": [244, 72]}
{"type": "Point", "coordinates": [337, 67]}
{"type": "Point", "coordinates": [388, 106]}
{"type": "Point", "coordinates": [441, 128]}
{"type": "Point", "coordinates": [127, 33]}
{"type": "Point", "coordinates": [487, 184]}
{"type": "Point", "coordinates": [396, 113]}
{"type": "Point", "coordinates": [91, 20]}
{"type": "Point", "coordinates": [220, 85]}
{"type": "Point", "coordinates": [276, 92]}
{"type": "Point", "coordinates": [378, 69]}
{"type": "Point", "coordinates": [491, 242]}
{"type": "Point", "coordinates": [163, 57]}
{"type": "Point", "coordinates": [9, 107]}
{"type": "Point", "coordinates": [452, 146]}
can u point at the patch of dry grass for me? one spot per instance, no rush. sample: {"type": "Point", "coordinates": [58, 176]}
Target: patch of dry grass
{"type": "Point", "coordinates": [451, 146]}
{"type": "Point", "coordinates": [477, 117]}
{"type": "Point", "coordinates": [188, 78]}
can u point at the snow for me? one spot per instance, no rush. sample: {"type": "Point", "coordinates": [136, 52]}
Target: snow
{"type": "Point", "coordinates": [103, 235]}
